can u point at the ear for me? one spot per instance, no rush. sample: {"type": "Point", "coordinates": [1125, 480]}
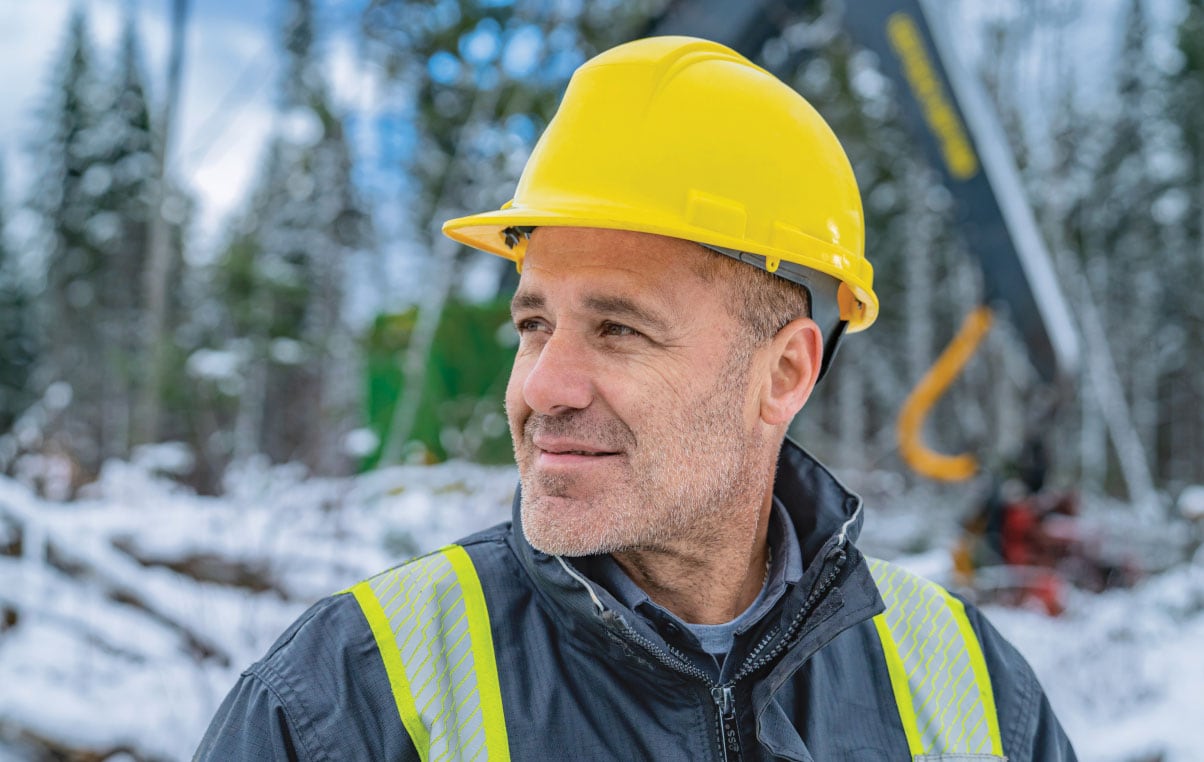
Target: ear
{"type": "Point", "coordinates": [793, 368]}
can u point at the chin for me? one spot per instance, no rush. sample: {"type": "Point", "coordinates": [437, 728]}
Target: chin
{"type": "Point", "coordinates": [557, 526]}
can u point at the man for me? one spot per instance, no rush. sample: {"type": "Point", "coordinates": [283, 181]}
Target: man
{"type": "Point", "coordinates": [679, 583]}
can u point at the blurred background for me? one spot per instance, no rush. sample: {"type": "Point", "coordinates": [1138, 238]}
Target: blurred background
{"type": "Point", "coordinates": [240, 368]}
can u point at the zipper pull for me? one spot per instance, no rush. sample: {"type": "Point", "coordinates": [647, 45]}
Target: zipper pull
{"type": "Point", "coordinates": [722, 695]}
{"type": "Point", "coordinates": [729, 734]}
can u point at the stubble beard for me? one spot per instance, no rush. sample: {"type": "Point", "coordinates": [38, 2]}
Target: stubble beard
{"type": "Point", "coordinates": [693, 471]}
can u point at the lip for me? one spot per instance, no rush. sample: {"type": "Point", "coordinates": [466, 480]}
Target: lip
{"type": "Point", "coordinates": [571, 460]}
{"type": "Point", "coordinates": [566, 453]}
{"type": "Point", "coordinates": [565, 446]}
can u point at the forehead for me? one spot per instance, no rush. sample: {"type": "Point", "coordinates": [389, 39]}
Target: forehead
{"type": "Point", "coordinates": [614, 259]}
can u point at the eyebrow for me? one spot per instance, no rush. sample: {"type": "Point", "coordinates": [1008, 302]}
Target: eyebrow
{"type": "Point", "coordinates": [622, 307]}
{"type": "Point", "coordinates": [526, 301]}
{"type": "Point", "coordinates": [617, 306]}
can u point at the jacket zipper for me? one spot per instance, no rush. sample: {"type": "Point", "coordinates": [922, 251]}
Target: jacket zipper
{"type": "Point", "coordinates": [729, 733]}
{"type": "Point", "coordinates": [753, 661]}
{"type": "Point", "coordinates": [722, 694]}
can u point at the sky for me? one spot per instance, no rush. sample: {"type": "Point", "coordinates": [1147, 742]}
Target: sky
{"type": "Point", "coordinates": [226, 112]}
{"type": "Point", "coordinates": [229, 81]}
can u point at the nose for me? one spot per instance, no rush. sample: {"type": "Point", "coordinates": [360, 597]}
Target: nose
{"type": "Point", "coordinates": [560, 378]}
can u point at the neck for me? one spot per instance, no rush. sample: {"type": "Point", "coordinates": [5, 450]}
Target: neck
{"type": "Point", "coordinates": [709, 583]}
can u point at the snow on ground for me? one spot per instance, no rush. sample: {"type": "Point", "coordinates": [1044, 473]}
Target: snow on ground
{"type": "Point", "coordinates": [117, 645]}
{"type": "Point", "coordinates": [1125, 669]}
{"type": "Point", "coordinates": [125, 616]}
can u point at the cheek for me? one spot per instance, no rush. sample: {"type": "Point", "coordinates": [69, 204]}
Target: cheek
{"type": "Point", "coordinates": [643, 383]}
{"type": "Point", "coordinates": [516, 406]}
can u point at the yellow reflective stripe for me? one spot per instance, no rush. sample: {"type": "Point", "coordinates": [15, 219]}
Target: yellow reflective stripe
{"type": "Point", "coordinates": [489, 689]}
{"type": "Point", "coordinates": [939, 677]}
{"type": "Point", "coordinates": [431, 624]}
{"type": "Point", "coordinates": [900, 686]}
{"type": "Point", "coordinates": [386, 646]}
{"type": "Point", "coordinates": [981, 674]}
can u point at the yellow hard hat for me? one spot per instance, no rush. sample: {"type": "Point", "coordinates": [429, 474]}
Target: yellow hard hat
{"type": "Point", "coordinates": [687, 138]}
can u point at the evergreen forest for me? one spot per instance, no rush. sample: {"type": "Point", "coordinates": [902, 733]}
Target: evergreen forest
{"type": "Point", "coordinates": [279, 339]}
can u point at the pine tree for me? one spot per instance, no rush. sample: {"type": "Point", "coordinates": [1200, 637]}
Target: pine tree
{"type": "Point", "coordinates": [128, 162]}
{"type": "Point", "coordinates": [283, 272]}
{"type": "Point", "coordinates": [17, 347]}
{"type": "Point", "coordinates": [67, 198]}
{"type": "Point", "coordinates": [95, 196]}
{"type": "Point", "coordinates": [1184, 388]}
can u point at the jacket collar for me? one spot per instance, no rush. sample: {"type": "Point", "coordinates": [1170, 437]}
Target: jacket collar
{"type": "Point", "coordinates": [826, 515]}
{"type": "Point", "coordinates": [819, 505]}
{"type": "Point", "coordinates": [835, 593]}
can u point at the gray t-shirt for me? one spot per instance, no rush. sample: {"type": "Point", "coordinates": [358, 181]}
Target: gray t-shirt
{"type": "Point", "coordinates": [786, 567]}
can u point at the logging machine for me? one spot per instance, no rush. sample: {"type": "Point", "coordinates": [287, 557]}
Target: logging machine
{"type": "Point", "coordinates": [952, 122]}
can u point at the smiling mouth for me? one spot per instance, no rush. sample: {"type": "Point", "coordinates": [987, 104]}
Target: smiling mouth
{"type": "Point", "coordinates": [586, 453]}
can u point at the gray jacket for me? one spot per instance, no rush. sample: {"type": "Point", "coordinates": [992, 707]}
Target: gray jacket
{"type": "Point", "coordinates": [583, 682]}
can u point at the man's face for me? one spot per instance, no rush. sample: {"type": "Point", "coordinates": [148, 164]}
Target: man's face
{"type": "Point", "coordinates": [631, 401]}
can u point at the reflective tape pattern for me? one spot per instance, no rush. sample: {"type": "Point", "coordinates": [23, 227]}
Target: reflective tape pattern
{"type": "Point", "coordinates": [937, 670]}
{"type": "Point", "coordinates": [432, 628]}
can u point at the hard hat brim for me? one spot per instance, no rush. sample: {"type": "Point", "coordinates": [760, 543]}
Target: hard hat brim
{"type": "Point", "coordinates": [486, 231]}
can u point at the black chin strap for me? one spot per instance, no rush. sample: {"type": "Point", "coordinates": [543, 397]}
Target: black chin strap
{"type": "Point", "coordinates": [831, 344]}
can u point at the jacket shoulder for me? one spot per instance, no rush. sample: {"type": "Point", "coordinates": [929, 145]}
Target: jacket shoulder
{"type": "Point", "coordinates": [320, 693]}
{"type": "Point", "coordinates": [1030, 729]}
{"type": "Point", "coordinates": [483, 542]}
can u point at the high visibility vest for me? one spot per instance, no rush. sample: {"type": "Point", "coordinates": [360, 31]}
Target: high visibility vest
{"type": "Point", "coordinates": [431, 625]}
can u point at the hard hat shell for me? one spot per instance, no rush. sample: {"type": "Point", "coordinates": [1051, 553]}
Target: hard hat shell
{"type": "Point", "coordinates": [686, 138]}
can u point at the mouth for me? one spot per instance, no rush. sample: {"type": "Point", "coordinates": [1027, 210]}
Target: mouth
{"type": "Point", "coordinates": [583, 453]}
{"type": "Point", "coordinates": [553, 453]}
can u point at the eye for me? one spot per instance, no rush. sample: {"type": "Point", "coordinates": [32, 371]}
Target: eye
{"type": "Point", "coordinates": [530, 325]}
{"type": "Point", "coordinates": [618, 329]}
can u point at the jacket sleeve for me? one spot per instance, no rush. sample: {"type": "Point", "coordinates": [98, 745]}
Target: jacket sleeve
{"type": "Point", "coordinates": [251, 724]}
{"type": "Point", "coordinates": [321, 694]}
{"type": "Point", "coordinates": [1030, 729]}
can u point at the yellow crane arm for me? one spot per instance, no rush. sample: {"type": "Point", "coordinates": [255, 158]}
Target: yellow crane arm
{"type": "Point", "coordinates": [925, 461]}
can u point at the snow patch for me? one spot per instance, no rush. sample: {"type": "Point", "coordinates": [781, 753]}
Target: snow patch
{"type": "Point", "coordinates": [129, 613]}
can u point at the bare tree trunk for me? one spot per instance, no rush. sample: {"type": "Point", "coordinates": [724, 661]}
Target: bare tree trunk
{"type": "Point", "coordinates": [1145, 366]}
{"type": "Point", "coordinates": [1093, 439]}
{"type": "Point", "coordinates": [248, 423]}
{"type": "Point", "coordinates": [161, 254]}
{"type": "Point", "coordinates": [1105, 383]}
{"type": "Point", "coordinates": [430, 313]}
